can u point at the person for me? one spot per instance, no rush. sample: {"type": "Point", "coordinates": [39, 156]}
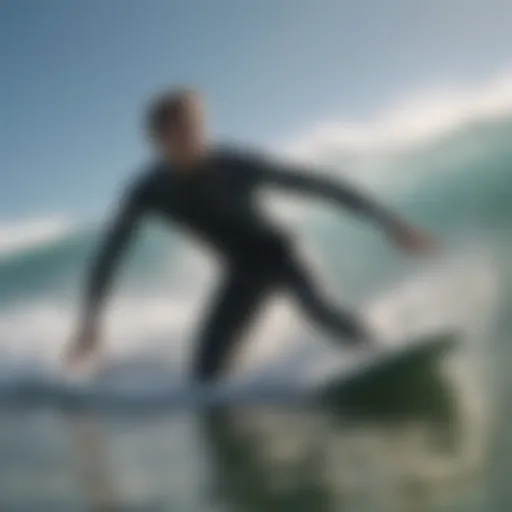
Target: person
{"type": "Point", "coordinates": [210, 191]}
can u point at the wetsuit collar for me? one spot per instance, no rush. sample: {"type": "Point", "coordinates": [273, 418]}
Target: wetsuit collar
{"type": "Point", "coordinates": [194, 168]}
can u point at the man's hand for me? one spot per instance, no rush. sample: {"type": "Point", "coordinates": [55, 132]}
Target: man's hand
{"type": "Point", "coordinates": [412, 240]}
{"type": "Point", "coordinates": [84, 348]}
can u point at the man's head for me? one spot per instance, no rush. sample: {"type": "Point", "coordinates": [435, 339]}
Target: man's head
{"type": "Point", "coordinates": [176, 123]}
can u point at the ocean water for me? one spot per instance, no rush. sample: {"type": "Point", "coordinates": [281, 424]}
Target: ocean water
{"type": "Point", "coordinates": [140, 437]}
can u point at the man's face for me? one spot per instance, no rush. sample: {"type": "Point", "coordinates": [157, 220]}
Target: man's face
{"type": "Point", "coordinates": [186, 137]}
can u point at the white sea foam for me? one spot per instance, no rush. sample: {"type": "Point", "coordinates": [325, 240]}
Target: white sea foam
{"type": "Point", "coordinates": [460, 293]}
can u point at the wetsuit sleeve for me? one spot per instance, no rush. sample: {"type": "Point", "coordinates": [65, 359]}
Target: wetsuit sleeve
{"type": "Point", "coordinates": [113, 246]}
{"type": "Point", "coordinates": [336, 190]}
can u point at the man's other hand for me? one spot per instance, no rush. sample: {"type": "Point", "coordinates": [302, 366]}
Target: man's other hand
{"type": "Point", "coordinates": [83, 350]}
{"type": "Point", "coordinates": [413, 240]}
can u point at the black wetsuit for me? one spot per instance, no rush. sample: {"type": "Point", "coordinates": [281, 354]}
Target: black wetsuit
{"type": "Point", "coordinates": [216, 201]}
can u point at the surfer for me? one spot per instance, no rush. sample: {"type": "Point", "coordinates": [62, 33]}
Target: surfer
{"type": "Point", "coordinates": [210, 192]}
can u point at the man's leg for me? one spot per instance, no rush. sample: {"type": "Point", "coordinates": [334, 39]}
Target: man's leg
{"type": "Point", "coordinates": [232, 310]}
{"type": "Point", "coordinates": [337, 321]}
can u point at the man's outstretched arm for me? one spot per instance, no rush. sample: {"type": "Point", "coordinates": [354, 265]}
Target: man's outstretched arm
{"type": "Point", "coordinates": [343, 194]}
{"type": "Point", "coordinates": [335, 190]}
{"type": "Point", "coordinates": [102, 273]}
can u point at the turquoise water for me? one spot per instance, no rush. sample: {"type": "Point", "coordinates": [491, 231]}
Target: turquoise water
{"type": "Point", "coordinates": [442, 444]}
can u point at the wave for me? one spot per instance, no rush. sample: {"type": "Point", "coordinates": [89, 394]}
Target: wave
{"type": "Point", "coordinates": [444, 162]}
{"type": "Point", "coordinates": [20, 236]}
{"type": "Point", "coordinates": [409, 122]}
{"type": "Point", "coordinates": [442, 155]}
{"type": "Point", "coordinates": [149, 346]}
{"type": "Point", "coordinates": [459, 184]}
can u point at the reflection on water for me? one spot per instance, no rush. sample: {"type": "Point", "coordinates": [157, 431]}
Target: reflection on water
{"type": "Point", "coordinates": [403, 454]}
{"type": "Point", "coordinates": [93, 469]}
{"type": "Point", "coordinates": [410, 447]}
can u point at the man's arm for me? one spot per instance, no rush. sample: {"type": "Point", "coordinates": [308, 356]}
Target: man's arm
{"type": "Point", "coordinates": [334, 190]}
{"type": "Point", "coordinates": [103, 269]}
{"type": "Point", "coordinates": [108, 258]}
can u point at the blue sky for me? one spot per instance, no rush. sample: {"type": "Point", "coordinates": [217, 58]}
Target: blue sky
{"type": "Point", "coordinates": [75, 76]}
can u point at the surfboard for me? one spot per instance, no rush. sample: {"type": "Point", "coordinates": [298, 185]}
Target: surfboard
{"type": "Point", "coordinates": [390, 375]}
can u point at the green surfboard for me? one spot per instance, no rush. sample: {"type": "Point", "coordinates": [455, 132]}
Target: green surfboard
{"type": "Point", "coordinates": [391, 374]}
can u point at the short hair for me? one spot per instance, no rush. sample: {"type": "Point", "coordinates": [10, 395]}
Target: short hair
{"type": "Point", "coordinates": [167, 108]}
